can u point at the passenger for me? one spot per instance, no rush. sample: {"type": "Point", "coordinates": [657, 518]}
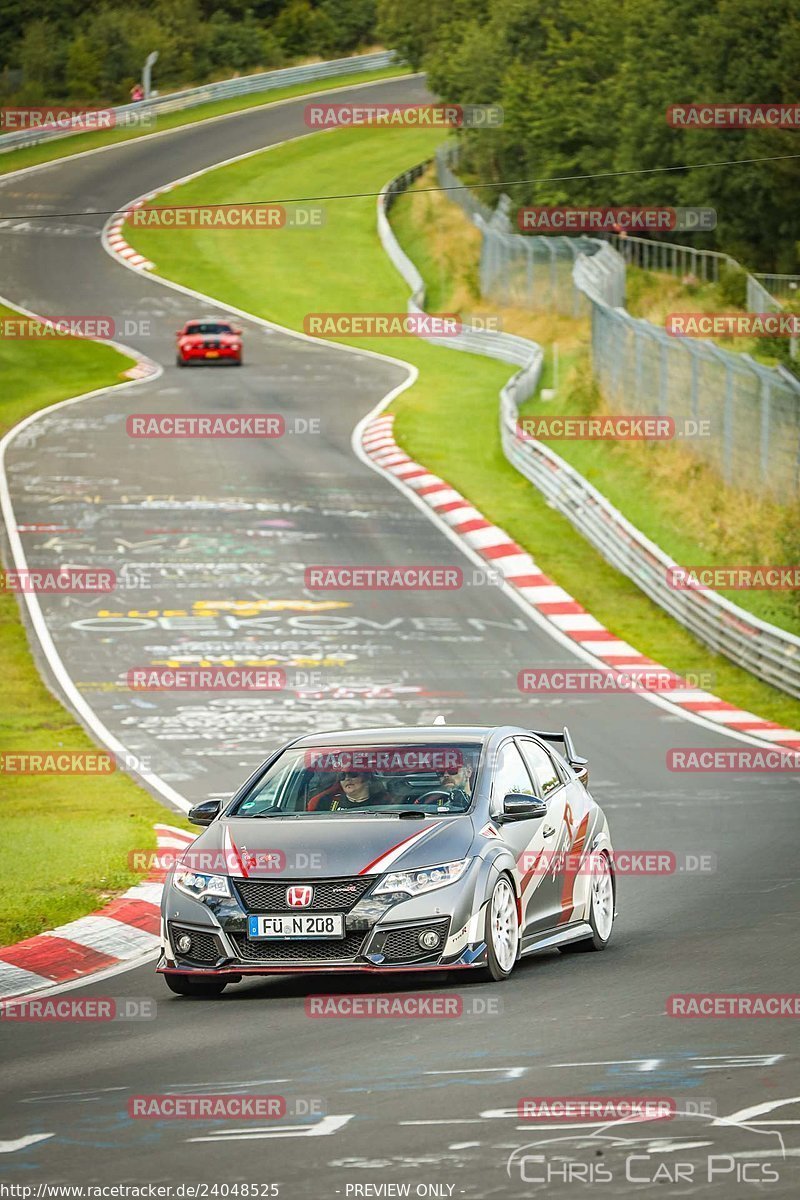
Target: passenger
{"type": "Point", "coordinates": [356, 788]}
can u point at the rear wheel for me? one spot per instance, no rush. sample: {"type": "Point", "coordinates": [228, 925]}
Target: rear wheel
{"type": "Point", "coordinates": [196, 985]}
{"type": "Point", "coordinates": [501, 931]}
{"type": "Point", "coordinates": [601, 909]}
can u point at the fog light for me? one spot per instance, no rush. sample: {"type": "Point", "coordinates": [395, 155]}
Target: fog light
{"type": "Point", "coordinates": [184, 943]}
{"type": "Point", "coordinates": [428, 939]}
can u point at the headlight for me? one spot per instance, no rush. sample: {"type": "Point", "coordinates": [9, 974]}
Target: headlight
{"type": "Point", "coordinates": [195, 884]}
{"type": "Point", "coordinates": [413, 883]}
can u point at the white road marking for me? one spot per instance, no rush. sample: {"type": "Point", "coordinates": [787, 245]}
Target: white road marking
{"type": "Point", "coordinates": [20, 1143]}
{"type": "Point", "coordinates": [509, 1072]}
{"type": "Point", "coordinates": [645, 1064]}
{"type": "Point", "coordinates": [327, 1125]}
{"type": "Point", "coordinates": [744, 1115]}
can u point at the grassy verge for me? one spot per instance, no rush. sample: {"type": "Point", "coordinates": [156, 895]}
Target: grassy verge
{"type": "Point", "coordinates": [449, 419]}
{"type": "Point", "coordinates": [65, 838]}
{"type": "Point", "coordinates": [655, 294]}
{"type": "Point", "coordinates": [29, 156]}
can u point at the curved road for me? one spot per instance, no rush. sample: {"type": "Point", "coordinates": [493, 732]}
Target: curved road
{"type": "Point", "coordinates": [210, 540]}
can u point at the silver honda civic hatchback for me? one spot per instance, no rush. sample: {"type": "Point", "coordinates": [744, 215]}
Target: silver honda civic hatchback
{"type": "Point", "coordinates": [407, 849]}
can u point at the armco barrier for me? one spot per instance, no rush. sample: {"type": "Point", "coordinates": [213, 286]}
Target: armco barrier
{"type": "Point", "coordinates": [764, 650]}
{"type": "Point", "coordinates": [265, 81]}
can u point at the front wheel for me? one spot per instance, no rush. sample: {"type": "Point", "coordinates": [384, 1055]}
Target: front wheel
{"type": "Point", "coordinates": [501, 931]}
{"type": "Point", "coordinates": [601, 909]}
{"type": "Point", "coordinates": [179, 362]}
{"type": "Point", "coordinates": [196, 985]}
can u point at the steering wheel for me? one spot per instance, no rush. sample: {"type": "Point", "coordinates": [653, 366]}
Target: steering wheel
{"type": "Point", "coordinates": [446, 792]}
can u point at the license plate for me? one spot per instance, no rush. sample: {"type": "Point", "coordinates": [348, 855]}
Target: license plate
{"type": "Point", "coordinates": [281, 926]}
{"type": "Point", "coordinates": [212, 353]}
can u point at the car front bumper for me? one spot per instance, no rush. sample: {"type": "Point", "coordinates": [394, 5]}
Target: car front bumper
{"type": "Point", "coordinates": [380, 935]}
{"type": "Point", "coordinates": [223, 354]}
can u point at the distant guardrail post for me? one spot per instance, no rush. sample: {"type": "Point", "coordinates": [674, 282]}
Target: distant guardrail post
{"type": "Point", "coordinates": [765, 423]}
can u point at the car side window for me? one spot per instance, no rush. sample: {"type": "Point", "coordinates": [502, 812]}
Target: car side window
{"type": "Point", "coordinates": [541, 766]}
{"type": "Point", "coordinates": [510, 775]}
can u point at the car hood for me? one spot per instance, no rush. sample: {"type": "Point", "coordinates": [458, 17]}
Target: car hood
{"type": "Point", "coordinates": [327, 847]}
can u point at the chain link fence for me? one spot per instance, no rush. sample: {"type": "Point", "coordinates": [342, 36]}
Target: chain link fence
{"type": "Point", "coordinates": [751, 412]}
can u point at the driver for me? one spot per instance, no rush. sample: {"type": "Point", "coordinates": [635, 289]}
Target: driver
{"type": "Point", "coordinates": [457, 780]}
{"type": "Point", "coordinates": [355, 788]}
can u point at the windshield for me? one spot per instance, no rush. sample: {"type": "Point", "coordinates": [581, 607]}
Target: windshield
{"type": "Point", "coordinates": [316, 781]}
{"type": "Point", "coordinates": [209, 327]}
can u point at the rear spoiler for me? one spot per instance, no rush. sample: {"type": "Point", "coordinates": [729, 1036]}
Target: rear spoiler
{"type": "Point", "coordinates": [575, 760]}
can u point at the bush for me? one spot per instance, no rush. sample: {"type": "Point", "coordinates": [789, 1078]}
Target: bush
{"type": "Point", "coordinates": [732, 286]}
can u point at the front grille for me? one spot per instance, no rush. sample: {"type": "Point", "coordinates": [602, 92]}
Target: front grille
{"type": "Point", "coordinates": [206, 948]}
{"type": "Point", "coordinates": [401, 945]}
{"type": "Point", "coordinates": [211, 345]}
{"type": "Point", "coordinates": [300, 951]}
{"type": "Point", "coordinates": [330, 895]}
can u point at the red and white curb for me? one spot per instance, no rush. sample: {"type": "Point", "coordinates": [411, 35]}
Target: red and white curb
{"type": "Point", "coordinates": [113, 239]}
{"type": "Point", "coordinates": [117, 244]}
{"type": "Point", "coordinates": [126, 929]}
{"type": "Point", "coordinates": [543, 595]}
{"type": "Point", "coordinates": [142, 369]}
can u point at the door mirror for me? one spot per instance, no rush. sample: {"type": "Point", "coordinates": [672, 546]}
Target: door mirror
{"type": "Point", "coordinates": [237, 332]}
{"type": "Point", "coordinates": [518, 806]}
{"type": "Point", "coordinates": [205, 813]}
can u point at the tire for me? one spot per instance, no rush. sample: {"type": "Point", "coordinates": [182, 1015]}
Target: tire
{"type": "Point", "coordinates": [179, 362]}
{"type": "Point", "coordinates": [237, 362]}
{"type": "Point", "coordinates": [201, 986]}
{"type": "Point", "coordinates": [601, 909]}
{"type": "Point", "coordinates": [501, 931]}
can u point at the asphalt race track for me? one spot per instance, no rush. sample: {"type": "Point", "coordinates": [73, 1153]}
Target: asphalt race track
{"type": "Point", "coordinates": [210, 539]}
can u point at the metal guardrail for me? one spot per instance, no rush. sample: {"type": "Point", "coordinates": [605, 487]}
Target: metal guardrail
{"type": "Point", "coordinates": [507, 347]}
{"type": "Point", "coordinates": [669, 256]}
{"type": "Point", "coordinates": [769, 653]}
{"type": "Point", "coordinates": [131, 115]}
{"type": "Point", "coordinates": [782, 287]}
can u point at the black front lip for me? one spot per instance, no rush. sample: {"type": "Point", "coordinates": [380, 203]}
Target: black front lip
{"type": "Point", "coordinates": [355, 968]}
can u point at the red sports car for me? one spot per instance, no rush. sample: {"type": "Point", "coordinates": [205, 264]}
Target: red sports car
{"type": "Point", "coordinates": [209, 340]}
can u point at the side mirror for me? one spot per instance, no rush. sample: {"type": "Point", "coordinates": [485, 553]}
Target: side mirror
{"type": "Point", "coordinates": [581, 768]}
{"type": "Point", "coordinates": [517, 806]}
{"type": "Point", "coordinates": [178, 333]}
{"type": "Point", "coordinates": [205, 813]}
{"type": "Point", "coordinates": [237, 332]}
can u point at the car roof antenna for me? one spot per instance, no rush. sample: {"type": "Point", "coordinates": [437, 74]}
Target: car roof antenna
{"type": "Point", "coordinates": [439, 720]}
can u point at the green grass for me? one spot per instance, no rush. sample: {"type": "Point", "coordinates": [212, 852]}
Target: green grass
{"type": "Point", "coordinates": [653, 492]}
{"type": "Point", "coordinates": [29, 156]}
{"type": "Point", "coordinates": [65, 838]}
{"type": "Point", "coordinates": [36, 372]}
{"type": "Point", "coordinates": [653, 294]}
{"type": "Point", "coordinates": [448, 420]}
